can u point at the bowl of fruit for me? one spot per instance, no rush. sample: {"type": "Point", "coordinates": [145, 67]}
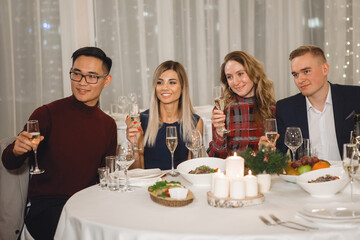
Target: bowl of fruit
{"type": "Point", "coordinates": [305, 164]}
{"type": "Point", "coordinates": [323, 182]}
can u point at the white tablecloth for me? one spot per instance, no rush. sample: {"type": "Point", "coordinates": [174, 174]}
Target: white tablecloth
{"type": "Point", "coordinates": [101, 214]}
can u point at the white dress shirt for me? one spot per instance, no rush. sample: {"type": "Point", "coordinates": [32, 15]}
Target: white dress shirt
{"type": "Point", "coordinates": [322, 130]}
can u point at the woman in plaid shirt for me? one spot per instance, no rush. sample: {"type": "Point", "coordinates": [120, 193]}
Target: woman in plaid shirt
{"type": "Point", "coordinates": [249, 99]}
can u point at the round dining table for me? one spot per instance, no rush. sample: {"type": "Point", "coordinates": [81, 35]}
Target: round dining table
{"type": "Point", "coordinates": [94, 213]}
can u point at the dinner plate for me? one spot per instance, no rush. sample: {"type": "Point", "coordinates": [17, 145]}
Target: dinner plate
{"type": "Point", "coordinates": [333, 211]}
{"type": "Point", "coordinates": [292, 178]}
{"type": "Point", "coordinates": [143, 173]}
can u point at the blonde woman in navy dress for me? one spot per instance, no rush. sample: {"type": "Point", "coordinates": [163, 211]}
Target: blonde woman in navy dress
{"type": "Point", "coordinates": [170, 105]}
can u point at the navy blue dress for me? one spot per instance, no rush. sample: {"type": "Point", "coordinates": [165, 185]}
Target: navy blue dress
{"type": "Point", "coordinates": [159, 155]}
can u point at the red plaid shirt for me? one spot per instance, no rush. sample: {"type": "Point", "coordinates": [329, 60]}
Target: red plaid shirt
{"type": "Point", "coordinates": [244, 132]}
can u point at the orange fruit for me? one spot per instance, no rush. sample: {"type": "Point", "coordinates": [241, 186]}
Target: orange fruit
{"type": "Point", "coordinates": [320, 165]}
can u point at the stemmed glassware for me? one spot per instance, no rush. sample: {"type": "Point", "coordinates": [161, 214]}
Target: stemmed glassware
{"type": "Point", "coordinates": [34, 130]}
{"type": "Point", "coordinates": [134, 115]}
{"type": "Point", "coordinates": [219, 100]}
{"type": "Point", "coordinates": [270, 128]}
{"type": "Point", "coordinates": [132, 97]}
{"type": "Point", "coordinates": [194, 144]}
{"type": "Point", "coordinates": [293, 139]}
{"type": "Point", "coordinates": [171, 143]}
{"type": "Point", "coordinates": [125, 159]}
{"type": "Point", "coordinates": [123, 102]}
{"type": "Point", "coordinates": [351, 163]}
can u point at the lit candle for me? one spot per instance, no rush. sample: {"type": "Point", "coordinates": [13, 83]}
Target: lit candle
{"type": "Point", "coordinates": [237, 188]}
{"type": "Point", "coordinates": [251, 185]}
{"type": "Point", "coordinates": [234, 166]}
{"type": "Point", "coordinates": [221, 188]}
{"type": "Point", "coordinates": [213, 176]}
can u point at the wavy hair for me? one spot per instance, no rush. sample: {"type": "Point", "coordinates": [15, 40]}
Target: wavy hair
{"type": "Point", "coordinates": [263, 86]}
{"type": "Point", "coordinates": [185, 108]}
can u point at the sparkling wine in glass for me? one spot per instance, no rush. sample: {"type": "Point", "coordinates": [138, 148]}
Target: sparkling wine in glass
{"type": "Point", "coordinates": [134, 115]}
{"type": "Point", "coordinates": [194, 144]}
{"type": "Point", "coordinates": [270, 128]}
{"type": "Point", "coordinates": [171, 143]}
{"type": "Point", "coordinates": [34, 130]}
{"type": "Point", "coordinates": [350, 163]}
{"type": "Point", "coordinates": [293, 139]}
{"type": "Point", "coordinates": [125, 159]}
{"type": "Point", "coordinates": [219, 100]}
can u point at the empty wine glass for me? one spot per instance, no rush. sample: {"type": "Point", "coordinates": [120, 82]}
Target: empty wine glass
{"type": "Point", "coordinates": [34, 130]}
{"type": "Point", "coordinates": [293, 139]}
{"type": "Point", "coordinates": [171, 143]}
{"type": "Point", "coordinates": [123, 102]}
{"type": "Point", "coordinates": [194, 143]}
{"type": "Point", "coordinates": [219, 100]}
{"type": "Point", "coordinates": [350, 163]}
{"type": "Point", "coordinates": [132, 97]}
{"type": "Point", "coordinates": [125, 159]}
{"type": "Point", "coordinates": [134, 115]}
{"type": "Point", "coordinates": [270, 128]}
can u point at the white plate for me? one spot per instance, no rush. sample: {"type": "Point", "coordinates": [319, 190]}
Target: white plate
{"type": "Point", "coordinates": [292, 178]}
{"type": "Point", "coordinates": [334, 211]}
{"type": "Point", "coordinates": [354, 223]}
{"type": "Point", "coordinates": [142, 173]}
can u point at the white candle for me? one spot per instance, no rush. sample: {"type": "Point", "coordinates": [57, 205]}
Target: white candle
{"type": "Point", "coordinates": [221, 188]}
{"type": "Point", "coordinates": [234, 166]}
{"type": "Point", "coordinates": [213, 176]}
{"type": "Point", "coordinates": [251, 185]}
{"type": "Point", "coordinates": [264, 182]}
{"type": "Point", "coordinates": [237, 188]}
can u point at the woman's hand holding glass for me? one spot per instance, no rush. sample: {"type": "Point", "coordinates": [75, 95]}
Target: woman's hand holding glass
{"type": "Point", "coordinates": [218, 117]}
{"type": "Point", "coordinates": [271, 134]}
{"type": "Point", "coordinates": [134, 122]}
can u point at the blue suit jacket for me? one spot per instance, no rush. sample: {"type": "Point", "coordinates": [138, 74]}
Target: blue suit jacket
{"type": "Point", "coordinates": [292, 112]}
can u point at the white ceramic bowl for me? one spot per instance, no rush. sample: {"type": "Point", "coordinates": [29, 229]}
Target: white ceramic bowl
{"type": "Point", "coordinates": [203, 180]}
{"type": "Point", "coordinates": [323, 189]}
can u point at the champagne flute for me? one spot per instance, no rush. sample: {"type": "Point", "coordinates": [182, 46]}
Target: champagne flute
{"type": "Point", "coordinates": [293, 139]}
{"type": "Point", "coordinates": [194, 144]}
{"type": "Point", "coordinates": [270, 128]}
{"type": "Point", "coordinates": [219, 100]}
{"type": "Point", "coordinates": [125, 159]}
{"type": "Point", "coordinates": [171, 143]}
{"type": "Point", "coordinates": [34, 130]}
{"type": "Point", "coordinates": [350, 163]}
{"type": "Point", "coordinates": [134, 115]}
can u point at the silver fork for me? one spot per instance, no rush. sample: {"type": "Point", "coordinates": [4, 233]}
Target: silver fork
{"type": "Point", "coordinates": [268, 223]}
{"type": "Point", "coordinates": [278, 221]}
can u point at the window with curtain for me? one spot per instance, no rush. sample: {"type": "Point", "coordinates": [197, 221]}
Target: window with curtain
{"type": "Point", "coordinates": [30, 54]}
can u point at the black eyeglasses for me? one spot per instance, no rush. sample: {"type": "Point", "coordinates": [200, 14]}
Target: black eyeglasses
{"type": "Point", "coordinates": [90, 78]}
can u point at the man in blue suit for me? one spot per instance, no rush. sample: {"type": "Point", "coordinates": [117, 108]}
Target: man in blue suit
{"type": "Point", "coordinates": [323, 111]}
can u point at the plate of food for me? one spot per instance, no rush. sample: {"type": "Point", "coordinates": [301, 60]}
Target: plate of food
{"type": "Point", "coordinates": [170, 194]}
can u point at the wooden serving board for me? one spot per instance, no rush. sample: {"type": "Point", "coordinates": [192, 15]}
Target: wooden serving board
{"type": "Point", "coordinates": [171, 202]}
{"type": "Point", "coordinates": [234, 203]}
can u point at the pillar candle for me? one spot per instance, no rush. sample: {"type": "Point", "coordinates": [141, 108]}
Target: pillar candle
{"type": "Point", "coordinates": [234, 166]}
{"type": "Point", "coordinates": [213, 176]}
{"type": "Point", "coordinates": [237, 188]}
{"type": "Point", "coordinates": [264, 182]}
{"type": "Point", "coordinates": [221, 186]}
{"type": "Point", "coordinates": [251, 185]}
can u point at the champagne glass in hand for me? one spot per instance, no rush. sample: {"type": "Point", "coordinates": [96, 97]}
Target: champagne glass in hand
{"type": "Point", "coordinates": [134, 115]}
{"type": "Point", "coordinates": [220, 102]}
{"type": "Point", "coordinates": [194, 144]}
{"type": "Point", "coordinates": [350, 163]}
{"type": "Point", "coordinates": [293, 139]}
{"type": "Point", "coordinates": [126, 158]}
{"type": "Point", "coordinates": [34, 130]}
{"type": "Point", "coordinates": [270, 129]}
{"type": "Point", "coordinates": [171, 143]}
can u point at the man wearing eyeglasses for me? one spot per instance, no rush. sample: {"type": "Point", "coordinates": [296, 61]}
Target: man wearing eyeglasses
{"type": "Point", "coordinates": [76, 136]}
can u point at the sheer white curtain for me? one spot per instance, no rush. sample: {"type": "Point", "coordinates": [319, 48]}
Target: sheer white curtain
{"type": "Point", "coordinates": [38, 37]}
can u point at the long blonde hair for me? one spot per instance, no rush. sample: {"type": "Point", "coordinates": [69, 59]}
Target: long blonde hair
{"type": "Point", "coordinates": [264, 89]}
{"type": "Point", "coordinates": [185, 108]}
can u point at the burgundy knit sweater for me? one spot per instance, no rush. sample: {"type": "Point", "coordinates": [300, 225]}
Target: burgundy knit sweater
{"type": "Point", "coordinates": [77, 139]}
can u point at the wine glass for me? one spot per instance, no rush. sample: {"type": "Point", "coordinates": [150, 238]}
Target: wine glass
{"type": "Point", "coordinates": [132, 97]}
{"type": "Point", "coordinates": [350, 163]}
{"type": "Point", "coordinates": [194, 143]}
{"type": "Point", "coordinates": [134, 115]}
{"type": "Point", "coordinates": [219, 100]}
{"type": "Point", "coordinates": [123, 102]}
{"type": "Point", "coordinates": [171, 143]}
{"type": "Point", "coordinates": [270, 128]}
{"type": "Point", "coordinates": [34, 130]}
{"type": "Point", "coordinates": [125, 159]}
{"type": "Point", "coordinates": [293, 139]}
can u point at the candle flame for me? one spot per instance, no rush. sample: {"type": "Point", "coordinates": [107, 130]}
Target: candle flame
{"type": "Point", "coordinates": [235, 154]}
{"type": "Point", "coordinates": [249, 172]}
